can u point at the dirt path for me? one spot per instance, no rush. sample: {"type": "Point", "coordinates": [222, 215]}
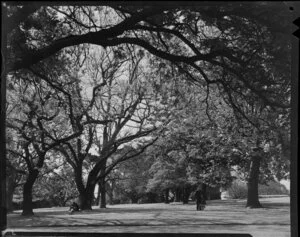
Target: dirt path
{"type": "Point", "coordinates": [220, 216]}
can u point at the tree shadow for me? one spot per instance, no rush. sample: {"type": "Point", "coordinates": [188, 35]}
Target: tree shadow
{"type": "Point", "coordinates": [274, 205]}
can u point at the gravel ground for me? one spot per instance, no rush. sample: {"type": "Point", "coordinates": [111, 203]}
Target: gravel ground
{"type": "Point", "coordinates": [220, 216]}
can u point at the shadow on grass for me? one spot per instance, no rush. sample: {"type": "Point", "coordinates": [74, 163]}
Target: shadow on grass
{"type": "Point", "coordinates": [117, 223]}
{"type": "Point", "coordinates": [218, 212]}
{"type": "Point", "coordinates": [97, 211]}
{"type": "Point", "coordinates": [231, 205]}
{"type": "Point", "coordinates": [276, 205]}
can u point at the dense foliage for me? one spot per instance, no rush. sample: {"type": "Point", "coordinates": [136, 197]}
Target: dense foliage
{"type": "Point", "coordinates": [161, 99]}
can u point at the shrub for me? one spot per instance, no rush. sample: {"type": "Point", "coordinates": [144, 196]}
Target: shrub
{"type": "Point", "coordinates": [213, 193]}
{"type": "Point", "coordinates": [42, 203]}
{"type": "Point", "coordinates": [238, 190]}
{"type": "Point", "coordinates": [273, 188]}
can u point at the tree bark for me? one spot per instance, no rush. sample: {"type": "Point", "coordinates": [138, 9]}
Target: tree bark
{"type": "Point", "coordinates": [27, 193]}
{"type": "Point", "coordinates": [86, 197]}
{"type": "Point", "coordinates": [80, 187]}
{"type": "Point", "coordinates": [102, 185]}
{"type": "Point", "coordinates": [252, 197]}
{"type": "Point", "coordinates": [85, 200]}
{"type": "Point", "coordinates": [111, 193]}
{"type": "Point", "coordinates": [101, 37]}
{"type": "Point", "coordinates": [102, 188]}
{"type": "Point", "coordinates": [97, 201]}
{"type": "Point", "coordinates": [86, 194]}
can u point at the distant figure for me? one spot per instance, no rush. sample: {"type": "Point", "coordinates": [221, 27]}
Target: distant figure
{"type": "Point", "coordinates": [200, 200]}
{"type": "Point", "coordinates": [74, 207]}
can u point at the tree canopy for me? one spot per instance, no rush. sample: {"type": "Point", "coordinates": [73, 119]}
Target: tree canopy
{"type": "Point", "coordinates": [230, 37]}
{"type": "Point", "coordinates": [206, 85]}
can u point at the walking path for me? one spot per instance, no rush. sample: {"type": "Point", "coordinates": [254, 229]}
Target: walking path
{"type": "Point", "coordinates": [220, 216]}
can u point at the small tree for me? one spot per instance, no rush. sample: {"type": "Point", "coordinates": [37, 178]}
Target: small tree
{"type": "Point", "coordinates": [36, 119]}
{"type": "Point", "coordinates": [56, 182]}
{"type": "Point", "coordinates": [134, 177]}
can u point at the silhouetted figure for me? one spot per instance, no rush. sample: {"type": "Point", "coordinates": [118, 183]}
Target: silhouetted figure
{"type": "Point", "coordinates": [74, 207]}
{"type": "Point", "coordinates": [200, 200]}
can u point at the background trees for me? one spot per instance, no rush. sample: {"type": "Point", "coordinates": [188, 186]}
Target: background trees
{"type": "Point", "coordinates": [36, 121]}
{"type": "Point", "coordinates": [132, 178]}
{"type": "Point", "coordinates": [216, 76]}
{"type": "Point", "coordinates": [193, 150]}
{"type": "Point", "coordinates": [112, 113]}
{"type": "Point", "coordinates": [57, 183]}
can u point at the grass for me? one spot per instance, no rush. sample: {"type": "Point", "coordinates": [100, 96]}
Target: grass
{"type": "Point", "coordinates": [228, 216]}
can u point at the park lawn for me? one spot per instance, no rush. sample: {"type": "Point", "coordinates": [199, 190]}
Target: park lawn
{"type": "Point", "coordinates": [228, 216]}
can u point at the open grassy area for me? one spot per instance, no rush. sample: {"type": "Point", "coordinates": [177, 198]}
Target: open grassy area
{"type": "Point", "coordinates": [228, 216]}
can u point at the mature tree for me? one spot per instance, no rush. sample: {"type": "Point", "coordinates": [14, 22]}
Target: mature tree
{"type": "Point", "coordinates": [37, 120]}
{"type": "Point", "coordinates": [229, 38]}
{"type": "Point", "coordinates": [192, 153]}
{"type": "Point", "coordinates": [15, 171]}
{"type": "Point", "coordinates": [239, 47]}
{"type": "Point", "coordinates": [34, 99]}
{"type": "Point", "coordinates": [111, 103]}
{"type": "Point", "coordinates": [133, 177]}
{"type": "Point", "coordinates": [262, 154]}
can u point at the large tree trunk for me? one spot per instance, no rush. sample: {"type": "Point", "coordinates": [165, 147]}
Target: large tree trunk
{"type": "Point", "coordinates": [110, 193]}
{"type": "Point", "coordinates": [102, 188]}
{"type": "Point", "coordinates": [87, 197]}
{"type": "Point", "coordinates": [86, 194]}
{"type": "Point", "coordinates": [27, 193]}
{"type": "Point", "coordinates": [85, 200]}
{"type": "Point", "coordinates": [252, 197]}
{"type": "Point", "coordinates": [97, 201]}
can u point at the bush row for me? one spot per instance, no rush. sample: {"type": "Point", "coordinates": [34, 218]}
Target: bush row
{"type": "Point", "coordinates": [238, 189]}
